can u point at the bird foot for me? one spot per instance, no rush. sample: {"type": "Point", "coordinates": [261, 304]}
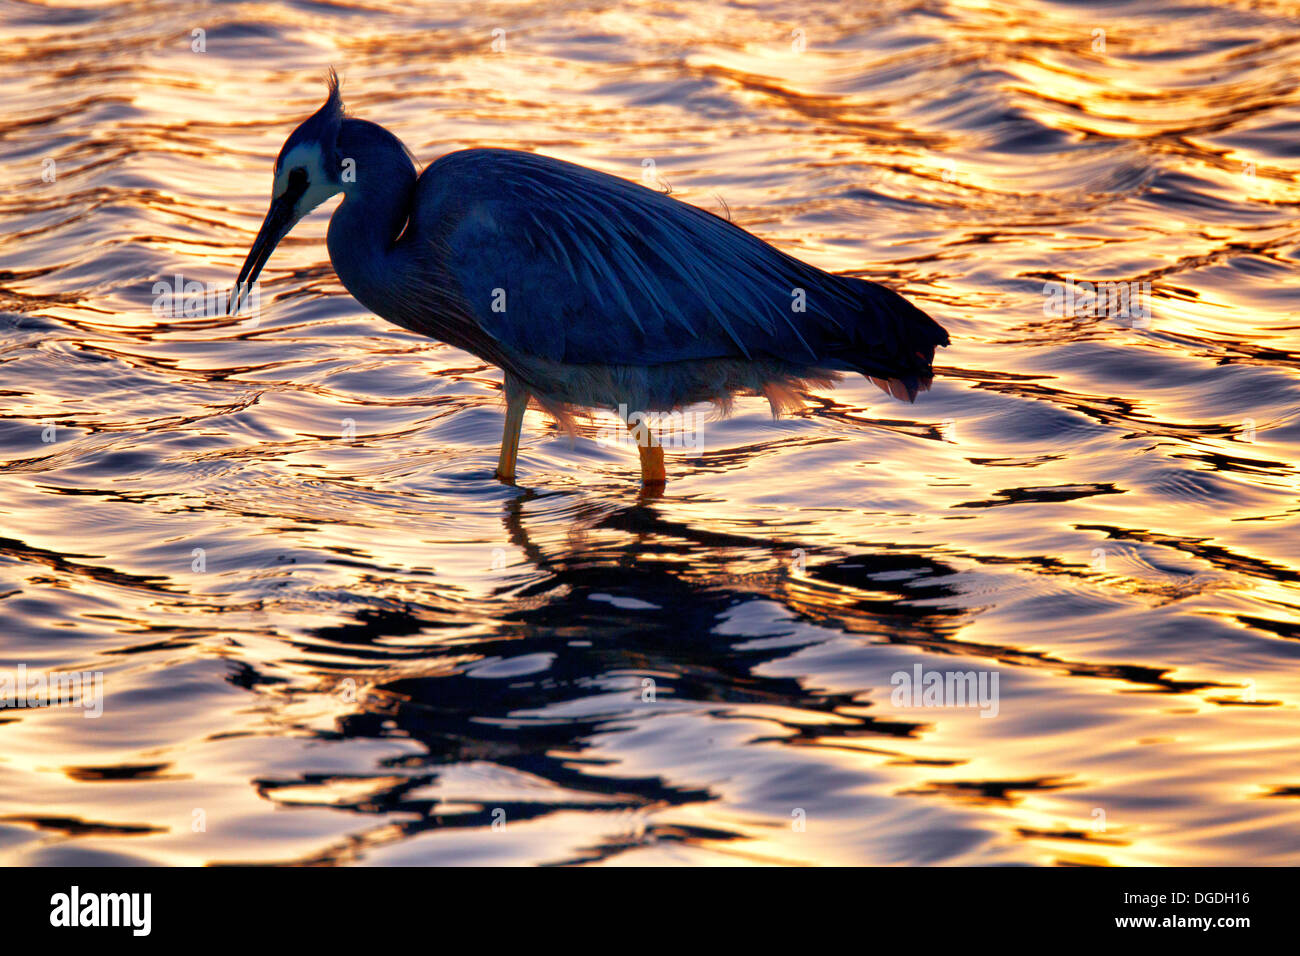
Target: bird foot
{"type": "Point", "coordinates": [651, 490]}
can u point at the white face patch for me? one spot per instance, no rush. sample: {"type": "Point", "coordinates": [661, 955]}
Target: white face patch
{"type": "Point", "coordinates": [320, 187]}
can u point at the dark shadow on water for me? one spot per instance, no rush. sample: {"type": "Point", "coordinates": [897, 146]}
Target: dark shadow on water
{"type": "Point", "coordinates": [622, 597]}
{"type": "Point", "coordinates": [610, 615]}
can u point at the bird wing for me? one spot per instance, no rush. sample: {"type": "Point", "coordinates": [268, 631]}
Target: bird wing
{"type": "Point", "coordinates": [577, 266]}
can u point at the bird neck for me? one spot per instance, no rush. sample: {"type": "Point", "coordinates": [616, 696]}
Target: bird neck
{"type": "Point", "coordinates": [378, 186]}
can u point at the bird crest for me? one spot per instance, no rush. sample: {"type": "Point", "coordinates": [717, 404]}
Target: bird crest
{"type": "Point", "coordinates": [320, 130]}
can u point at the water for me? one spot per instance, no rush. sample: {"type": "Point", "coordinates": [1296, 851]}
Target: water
{"type": "Point", "coordinates": [326, 634]}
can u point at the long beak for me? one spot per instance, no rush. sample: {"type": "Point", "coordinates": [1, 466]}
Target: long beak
{"type": "Point", "coordinates": [279, 220]}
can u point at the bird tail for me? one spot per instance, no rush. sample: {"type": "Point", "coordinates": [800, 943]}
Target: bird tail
{"type": "Point", "coordinates": [897, 355]}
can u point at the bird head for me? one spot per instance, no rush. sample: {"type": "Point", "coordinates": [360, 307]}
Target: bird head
{"type": "Point", "coordinates": [308, 171]}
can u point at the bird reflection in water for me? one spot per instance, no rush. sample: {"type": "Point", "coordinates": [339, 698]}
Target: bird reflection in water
{"type": "Point", "coordinates": [672, 633]}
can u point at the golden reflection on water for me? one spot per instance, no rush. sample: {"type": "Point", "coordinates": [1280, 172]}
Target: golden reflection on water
{"type": "Point", "coordinates": [382, 652]}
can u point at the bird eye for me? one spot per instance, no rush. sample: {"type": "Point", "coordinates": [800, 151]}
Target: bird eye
{"type": "Point", "coordinates": [297, 177]}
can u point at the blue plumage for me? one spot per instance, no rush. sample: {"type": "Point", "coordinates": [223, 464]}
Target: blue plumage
{"type": "Point", "coordinates": [597, 269]}
{"type": "Point", "coordinates": [587, 289]}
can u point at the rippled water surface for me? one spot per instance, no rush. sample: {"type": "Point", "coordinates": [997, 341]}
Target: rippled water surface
{"type": "Point", "coordinates": [328, 635]}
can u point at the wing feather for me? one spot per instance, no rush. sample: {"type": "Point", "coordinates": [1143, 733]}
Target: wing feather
{"type": "Point", "coordinates": [600, 270]}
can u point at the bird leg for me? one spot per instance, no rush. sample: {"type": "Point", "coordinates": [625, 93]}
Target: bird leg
{"type": "Point", "coordinates": [653, 474]}
{"type": "Point", "coordinates": [516, 405]}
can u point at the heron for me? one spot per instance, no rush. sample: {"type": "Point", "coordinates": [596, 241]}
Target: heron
{"type": "Point", "coordinates": [587, 290]}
